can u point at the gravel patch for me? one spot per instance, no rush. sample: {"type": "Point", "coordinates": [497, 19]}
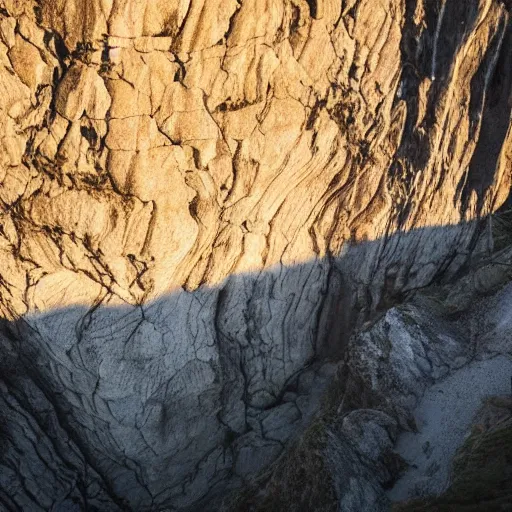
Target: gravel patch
{"type": "Point", "coordinates": [444, 417]}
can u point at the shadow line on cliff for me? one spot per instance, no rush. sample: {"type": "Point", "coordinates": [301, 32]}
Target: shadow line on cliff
{"type": "Point", "coordinates": [136, 405]}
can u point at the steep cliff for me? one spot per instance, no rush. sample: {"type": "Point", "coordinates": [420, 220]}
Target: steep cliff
{"type": "Point", "coordinates": [199, 199]}
{"type": "Point", "coordinates": [394, 428]}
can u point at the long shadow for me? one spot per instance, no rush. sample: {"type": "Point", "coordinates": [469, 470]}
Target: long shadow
{"type": "Point", "coordinates": [158, 406]}
{"type": "Point", "coordinates": [493, 109]}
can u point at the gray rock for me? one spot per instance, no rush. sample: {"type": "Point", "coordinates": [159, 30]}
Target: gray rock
{"type": "Point", "coordinates": [196, 204]}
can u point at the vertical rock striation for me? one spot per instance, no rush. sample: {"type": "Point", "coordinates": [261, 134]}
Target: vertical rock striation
{"type": "Point", "coordinates": [198, 199]}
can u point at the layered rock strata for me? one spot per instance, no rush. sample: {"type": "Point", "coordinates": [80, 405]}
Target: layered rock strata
{"type": "Point", "coordinates": [392, 396]}
{"type": "Point", "coordinates": [198, 199]}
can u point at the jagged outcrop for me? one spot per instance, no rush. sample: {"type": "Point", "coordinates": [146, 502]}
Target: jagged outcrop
{"type": "Point", "coordinates": [393, 430]}
{"type": "Point", "coordinates": [198, 199]}
{"type": "Point", "coordinates": [350, 446]}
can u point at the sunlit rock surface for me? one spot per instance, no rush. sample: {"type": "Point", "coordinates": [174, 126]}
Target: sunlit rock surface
{"type": "Point", "coordinates": [200, 198]}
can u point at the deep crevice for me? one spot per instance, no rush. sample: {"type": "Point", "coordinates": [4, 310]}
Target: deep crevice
{"type": "Point", "coordinates": [494, 107]}
{"type": "Point", "coordinates": [313, 8]}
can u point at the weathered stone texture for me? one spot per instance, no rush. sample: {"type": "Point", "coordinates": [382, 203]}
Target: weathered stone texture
{"type": "Point", "coordinates": [200, 197]}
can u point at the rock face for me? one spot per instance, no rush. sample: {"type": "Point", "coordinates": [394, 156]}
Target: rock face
{"type": "Point", "coordinates": [348, 451]}
{"type": "Point", "coordinates": [401, 405]}
{"type": "Point", "coordinates": [198, 199]}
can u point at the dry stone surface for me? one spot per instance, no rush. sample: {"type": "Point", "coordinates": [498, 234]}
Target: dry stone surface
{"type": "Point", "coordinates": [198, 199]}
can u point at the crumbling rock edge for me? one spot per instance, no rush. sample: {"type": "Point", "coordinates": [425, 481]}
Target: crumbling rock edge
{"type": "Point", "coordinates": [382, 406]}
{"type": "Point", "coordinates": [198, 199]}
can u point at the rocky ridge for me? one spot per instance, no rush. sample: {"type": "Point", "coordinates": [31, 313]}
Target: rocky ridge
{"type": "Point", "coordinates": [199, 199]}
{"type": "Point", "coordinates": [378, 437]}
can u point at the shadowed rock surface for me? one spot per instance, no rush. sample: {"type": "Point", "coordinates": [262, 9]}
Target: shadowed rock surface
{"type": "Point", "coordinates": [350, 458]}
{"type": "Point", "coordinates": [199, 202]}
